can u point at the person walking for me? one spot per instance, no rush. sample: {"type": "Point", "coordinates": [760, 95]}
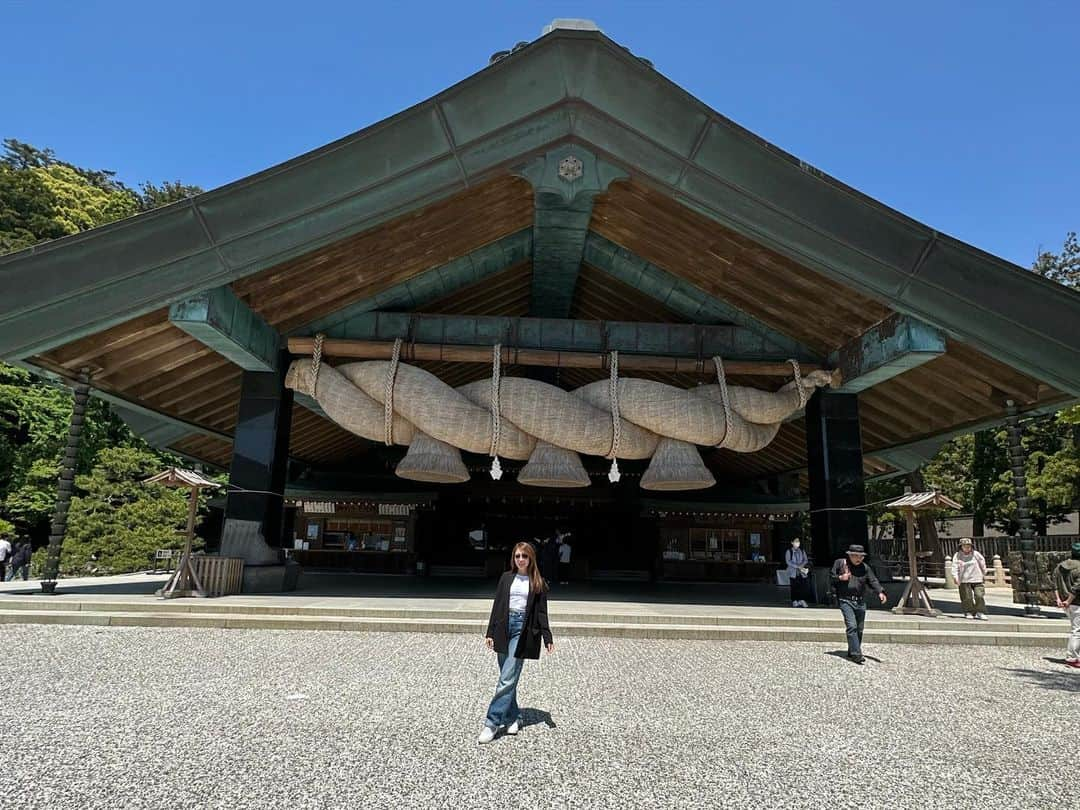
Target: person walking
{"type": "Point", "coordinates": [851, 577]}
{"type": "Point", "coordinates": [798, 571]}
{"type": "Point", "coordinates": [20, 561]}
{"type": "Point", "coordinates": [565, 550]}
{"type": "Point", "coordinates": [5, 552]}
{"type": "Point", "coordinates": [549, 558]}
{"type": "Point", "coordinates": [969, 571]}
{"type": "Point", "coordinates": [519, 620]}
{"type": "Point", "coordinates": [1067, 594]}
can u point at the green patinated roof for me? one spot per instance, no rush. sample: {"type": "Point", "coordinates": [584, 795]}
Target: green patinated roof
{"type": "Point", "coordinates": [568, 86]}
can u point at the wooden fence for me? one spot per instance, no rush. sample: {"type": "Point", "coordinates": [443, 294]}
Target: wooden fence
{"type": "Point", "coordinates": [220, 576]}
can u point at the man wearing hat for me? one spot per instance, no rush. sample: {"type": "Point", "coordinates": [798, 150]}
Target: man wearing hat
{"type": "Point", "coordinates": [851, 576]}
{"type": "Point", "coordinates": [1067, 591]}
{"type": "Point", "coordinates": [969, 571]}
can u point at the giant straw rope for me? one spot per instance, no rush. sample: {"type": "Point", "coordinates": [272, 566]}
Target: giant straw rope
{"type": "Point", "coordinates": [525, 419]}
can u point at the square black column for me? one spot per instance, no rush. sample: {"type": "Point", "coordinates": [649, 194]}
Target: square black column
{"type": "Point", "coordinates": [261, 452]}
{"type": "Point", "coordinates": [834, 455]}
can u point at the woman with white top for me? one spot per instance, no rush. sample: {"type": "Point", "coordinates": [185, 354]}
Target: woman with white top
{"type": "Point", "coordinates": [518, 621]}
{"type": "Point", "coordinates": [798, 571]}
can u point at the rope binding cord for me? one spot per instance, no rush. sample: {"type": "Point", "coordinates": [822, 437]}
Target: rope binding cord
{"type": "Point", "coordinates": [388, 394]}
{"type": "Point", "coordinates": [316, 360]}
{"type": "Point", "coordinates": [721, 380]}
{"type": "Point", "coordinates": [798, 382]}
{"type": "Point", "coordinates": [496, 411]}
{"type": "Point", "coordinates": [613, 392]}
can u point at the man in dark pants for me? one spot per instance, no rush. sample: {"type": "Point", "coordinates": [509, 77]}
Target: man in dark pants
{"type": "Point", "coordinates": [851, 576]}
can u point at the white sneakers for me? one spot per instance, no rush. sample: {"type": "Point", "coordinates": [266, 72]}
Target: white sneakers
{"type": "Point", "coordinates": [969, 615]}
{"type": "Point", "coordinates": [799, 603]}
{"type": "Point", "coordinates": [981, 617]}
{"type": "Point", "coordinates": [795, 603]}
{"type": "Point", "coordinates": [487, 734]}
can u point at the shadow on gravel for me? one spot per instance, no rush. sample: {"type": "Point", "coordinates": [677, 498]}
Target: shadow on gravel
{"type": "Point", "coordinates": [534, 717]}
{"type": "Point", "coordinates": [842, 654]}
{"type": "Point", "coordinates": [1067, 680]}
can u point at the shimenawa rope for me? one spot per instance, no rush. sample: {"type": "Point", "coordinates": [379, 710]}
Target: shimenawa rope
{"type": "Point", "coordinates": [496, 408]}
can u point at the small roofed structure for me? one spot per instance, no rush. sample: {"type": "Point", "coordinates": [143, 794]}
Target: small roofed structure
{"type": "Point", "coordinates": [184, 581]}
{"type": "Point", "coordinates": [915, 598]}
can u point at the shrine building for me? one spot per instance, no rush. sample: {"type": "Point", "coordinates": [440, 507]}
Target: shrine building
{"type": "Point", "coordinates": [562, 294]}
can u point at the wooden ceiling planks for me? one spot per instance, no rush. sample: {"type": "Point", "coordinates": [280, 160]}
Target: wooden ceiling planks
{"type": "Point", "coordinates": [323, 281]}
{"type": "Point", "coordinates": [504, 293]}
{"type": "Point", "coordinates": [205, 448]}
{"type": "Point", "coordinates": [798, 302]}
{"type": "Point", "coordinates": [599, 296]}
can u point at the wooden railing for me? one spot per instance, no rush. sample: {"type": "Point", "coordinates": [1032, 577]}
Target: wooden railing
{"type": "Point", "coordinates": [220, 576]}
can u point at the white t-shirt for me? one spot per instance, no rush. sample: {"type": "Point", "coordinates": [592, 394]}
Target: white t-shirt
{"type": "Point", "coordinates": [564, 553]}
{"type": "Point", "coordinates": [519, 592]}
{"type": "Point", "coordinates": [5, 550]}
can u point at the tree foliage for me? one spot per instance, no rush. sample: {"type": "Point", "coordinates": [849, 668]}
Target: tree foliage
{"type": "Point", "coordinates": [113, 519]}
{"type": "Point", "coordinates": [116, 522]}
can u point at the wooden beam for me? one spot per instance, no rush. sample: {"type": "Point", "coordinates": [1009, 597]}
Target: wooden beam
{"type": "Point", "coordinates": [224, 323]}
{"type": "Point", "coordinates": [886, 349]}
{"type": "Point", "coordinates": [690, 341]}
{"type": "Point", "coordinates": [448, 353]}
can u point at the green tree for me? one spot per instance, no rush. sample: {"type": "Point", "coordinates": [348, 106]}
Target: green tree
{"type": "Point", "coordinates": [116, 521]}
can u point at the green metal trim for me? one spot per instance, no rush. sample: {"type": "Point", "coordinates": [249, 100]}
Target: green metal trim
{"type": "Point", "coordinates": [430, 285]}
{"type": "Point", "coordinates": [557, 334]}
{"type": "Point", "coordinates": [224, 323]}
{"type": "Point", "coordinates": [886, 349]}
{"type": "Point", "coordinates": [566, 181]}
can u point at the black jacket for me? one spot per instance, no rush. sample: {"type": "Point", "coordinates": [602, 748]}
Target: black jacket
{"type": "Point", "coordinates": [536, 621]}
{"type": "Point", "coordinates": [862, 577]}
{"type": "Point", "coordinates": [21, 556]}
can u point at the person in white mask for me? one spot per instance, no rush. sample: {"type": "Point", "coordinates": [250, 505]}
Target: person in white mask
{"type": "Point", "coordinates": [798, 570]}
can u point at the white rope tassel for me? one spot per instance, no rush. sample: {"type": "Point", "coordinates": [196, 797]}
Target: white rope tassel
{"type": "Point", "coordinates": [613, 392]}
{"type": "Point", "coordinates": [721, 380]}
{"type": "Point", "coordinates": [316, 361]}
{"type": "Point", "coordinates": [388, 395]}
{"type": "Point", "coordinates": [496, 411]}
{"type": "Point", "coordinates": [798, 382]}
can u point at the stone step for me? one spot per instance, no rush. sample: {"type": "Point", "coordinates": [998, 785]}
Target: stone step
{"type": "Point", "coordinates": [793, 618]}
{"type": "Point", "coordinates": [641, 630]}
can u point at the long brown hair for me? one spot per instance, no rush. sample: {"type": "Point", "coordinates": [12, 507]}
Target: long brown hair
{"type": "Point", "coordinates": [536, 582]}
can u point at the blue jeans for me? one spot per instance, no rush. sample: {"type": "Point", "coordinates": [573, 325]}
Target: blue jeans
{"type": "Point", "coordinates": [504, 710]}
{"type": "Point", "coordinates": [854, 618]}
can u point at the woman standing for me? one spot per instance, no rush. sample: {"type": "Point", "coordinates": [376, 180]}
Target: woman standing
{"type": "Point", "coordinates": [798, 570]}
{"type": "Point", "coordinates": [518, 621]}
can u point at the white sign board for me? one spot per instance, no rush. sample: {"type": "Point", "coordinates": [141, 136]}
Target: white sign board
{"type": "Point", "coordinates": [395, 508]}
{"type": "Point", "coordinates": [319, 507]}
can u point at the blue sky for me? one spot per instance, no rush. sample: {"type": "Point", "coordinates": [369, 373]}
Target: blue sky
{"type": "Point", "coordinates": [961, 114]}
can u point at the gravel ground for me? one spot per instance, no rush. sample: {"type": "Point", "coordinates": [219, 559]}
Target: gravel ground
{"type": "Point", "coordinates": [140, 717]}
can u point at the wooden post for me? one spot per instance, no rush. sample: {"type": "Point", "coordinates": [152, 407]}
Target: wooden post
{"type": "Point", "coordinates": [950, 580]}
{"type": "Point", "coordinates": [184, 581]}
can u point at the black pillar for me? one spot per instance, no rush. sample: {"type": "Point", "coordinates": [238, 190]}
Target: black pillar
{"type": "Point", "coordinates": [261, 452]}
{"type": "Point", "coordinates": [834, 455]}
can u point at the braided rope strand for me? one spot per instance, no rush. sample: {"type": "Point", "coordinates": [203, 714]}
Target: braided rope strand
{"type": "Point", "coordinates": [798, 382]}
{"type": "Point", "coordinates": [388, 394]}
{"type": "Point", "coordinates": [496, 411]}
{"type": "Point", "coordinates": [316, 360]}
{"type": "Point", "coordinates": [721, 380]}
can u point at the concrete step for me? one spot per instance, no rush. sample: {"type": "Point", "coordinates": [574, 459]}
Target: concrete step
{"type": "Point", "coordinates": [793, 618]}
{"type": "Point", "coordinates": [732, 631]}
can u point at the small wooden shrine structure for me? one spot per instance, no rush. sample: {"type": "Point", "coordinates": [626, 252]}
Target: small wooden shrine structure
{"type": "Point", "coordinates": [916, 599]}
{"type": "Point", "coordinates": [184, 581]}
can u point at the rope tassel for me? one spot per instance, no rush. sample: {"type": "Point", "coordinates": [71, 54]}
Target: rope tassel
{"type": "Point", "coordinates": [616, 424]}
{"type": "Point", "coordinates": [496, 411]}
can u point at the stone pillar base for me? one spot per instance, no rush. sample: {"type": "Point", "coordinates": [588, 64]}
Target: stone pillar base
{"type": "Point", "coordinates": [271, 578]}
